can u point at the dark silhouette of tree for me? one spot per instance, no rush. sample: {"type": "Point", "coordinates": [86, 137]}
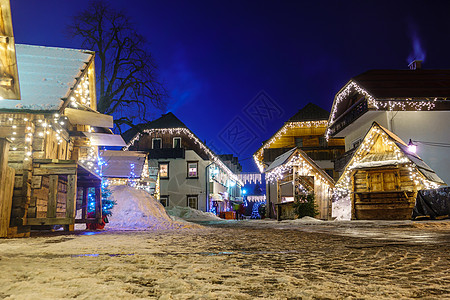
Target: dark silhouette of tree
{"type": "Point", "coordinates": [257, 191]}
{"type": "Point", "coordinates": [127, 83]}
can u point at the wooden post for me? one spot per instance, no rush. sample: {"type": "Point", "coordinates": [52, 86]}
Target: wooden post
{"type": "Point", "coordinates": [6, 187]}
{"type": "Point", "coordinates": [52, 195]}
{"type": "Point", "coordinates": [84, 203]}
{"type": "Point", "coordinates": [71, 201]}
{"type": "Point", "coordinates": [98, 203]}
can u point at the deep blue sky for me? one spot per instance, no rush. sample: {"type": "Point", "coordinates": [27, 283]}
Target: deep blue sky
{"type": "Point", "coordinates": [216, 56]}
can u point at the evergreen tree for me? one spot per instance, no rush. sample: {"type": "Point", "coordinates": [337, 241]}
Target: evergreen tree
{"type": "Point", "coordinates": [107, 202]}
{"type": "Point", "coordinates": [305, 205]}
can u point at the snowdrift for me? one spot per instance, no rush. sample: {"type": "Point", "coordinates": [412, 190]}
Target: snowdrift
{"type": "Point", "coordinates": [342, 209]}
{"type": "Point", "coordinates": [137, 210]}
{"type": "Point", "coordinates": [190, 214]}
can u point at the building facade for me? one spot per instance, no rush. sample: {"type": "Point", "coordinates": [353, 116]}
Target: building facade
{"type": "Point", "coordinates": [190, 174]}
{"type": "Point", "coordinates": [306, 131]}
{"type": "Point", "coordinates": [413, 104]}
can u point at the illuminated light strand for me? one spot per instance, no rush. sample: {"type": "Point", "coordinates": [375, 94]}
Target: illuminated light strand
{"type": "Point", "coordinates": [250, 177]}
{"type": "Point", "coordinates": [81, 94]}
{"type": "Point", "coordinates": [304, 169]}
{"type": "Point", "coordinates": [343, 186]}
{"type": "Point", "coordinates": [378, 104]}
{"type": "Point", "coordinates": [258, 156]}
{"type": "Point", "coordinates": [186, 131]}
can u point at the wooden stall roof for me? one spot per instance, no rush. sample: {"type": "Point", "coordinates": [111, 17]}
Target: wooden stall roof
{"type": "Point", "coordinates": [373, 160]}
{"type": "Point", "coordinates": [87, 177]}
{"type": "Point", "coordinates": [405, 83]}
{"type": "Point", "coordinates": [92, 118]}
{"type": "Point", "coordinates": [119, 163]}
{"type": "Point", "coordinates": [46, 76]}
{"type": "Point", "coordinates": [286, 157]}
{"type": "Point", "coordinates": [105, 139]}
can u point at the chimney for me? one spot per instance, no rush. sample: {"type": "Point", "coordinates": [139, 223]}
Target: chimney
{"type": "Point", "coordinates": [415, 65]}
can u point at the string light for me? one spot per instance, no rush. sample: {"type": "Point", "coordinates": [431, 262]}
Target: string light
{"type": "Point", "coordinates": [258, 156]}
{"type": "Point", "coordinates": [373, 103]}
{"type": "Point", "coordinates": [376, 134]}
{"type": "Point", "coordinates": [190, 135]}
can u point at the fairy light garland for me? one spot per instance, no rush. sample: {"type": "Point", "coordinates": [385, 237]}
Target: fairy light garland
{"type": "Point", "coordinates": [81, 95]}
{"type": "Point", "coordinates": [304, 169]}
{"type": "Point", "coordinates": [343, 186]}
{"type": "Point", "coordinates": [390, 105]}
{"type": "Point", "coordinates": [187, 132]}
{"type": "Point", "coordinates": [258, 156]}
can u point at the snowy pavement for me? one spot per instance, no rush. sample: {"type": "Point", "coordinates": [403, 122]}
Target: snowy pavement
{"type": "Point", "coordinates": [250, 259]}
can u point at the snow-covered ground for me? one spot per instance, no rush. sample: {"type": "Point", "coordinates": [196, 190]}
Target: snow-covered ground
{"type": "Point", "coordinates": [144, 254]}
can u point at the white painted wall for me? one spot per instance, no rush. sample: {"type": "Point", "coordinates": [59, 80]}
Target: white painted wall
{"type": "Point", "coordinates": [178, 186]}
{"type": "Point", "coordinates": [429, 126]}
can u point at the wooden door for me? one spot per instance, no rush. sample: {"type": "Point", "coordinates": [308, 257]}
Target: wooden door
{"type": "Point", "coordinates": [382, 180]}
{"type": "Point", "coordinates": [375, 180]}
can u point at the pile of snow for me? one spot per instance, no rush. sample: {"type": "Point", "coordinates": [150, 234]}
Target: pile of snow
{"type": "Point", "coordinates": [190, 214]}
{"type": "Point", "coordinates": [304, 220]}
{"type": "Point", "coordinates": [138, 210]}
{"type": "Point", "coordinates": [342, 209]}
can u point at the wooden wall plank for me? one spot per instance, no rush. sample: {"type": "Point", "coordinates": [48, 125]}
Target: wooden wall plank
{"type": "Point", "coordinates": [53, 191]}
{"type": "Point", "coordinates": [71, 196]}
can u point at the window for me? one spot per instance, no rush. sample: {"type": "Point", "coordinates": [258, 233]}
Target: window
{"type": "Point", "coordinates": [192, 201]}
{"type": "Point", "coordinates": [356, 143]}
{"type": "Point", "coordinates": [177, 142]}
{"type": "Point", "coordinates": [164, 200]}
{"type": "Point", "coordinates": [299, 142]}
{"type": "Point", "coordinates": [156, 143]}
{"type": "Point", "coordinates": [163, 170]}
{"type": "Point", "coordinates": [192, 169]}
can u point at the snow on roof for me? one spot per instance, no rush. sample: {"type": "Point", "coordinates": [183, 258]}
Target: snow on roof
{"type": "Point", "coordinates": [281, 160]}
{"type": "Point", "coordinates": [123, 164]}
{"type": "Point", "coordinates": [46, 75]}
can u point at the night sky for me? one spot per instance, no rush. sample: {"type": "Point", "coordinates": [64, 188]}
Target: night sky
{"type": "Point", "coordinates": [215, 57]}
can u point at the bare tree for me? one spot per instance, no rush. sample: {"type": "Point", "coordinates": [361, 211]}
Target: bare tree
{"type": "Point", "coordinates": [127, 82]}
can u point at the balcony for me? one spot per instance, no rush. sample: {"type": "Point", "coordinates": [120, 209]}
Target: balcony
{"type": "Point", "coordinates": [166, 153]}
{"type": "Point", "coordinates": [349, 116]}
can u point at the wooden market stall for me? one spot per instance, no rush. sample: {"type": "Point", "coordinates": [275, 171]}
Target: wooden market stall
{"type": "Point", "coordinates": [53, 130]}
{"type": "Point", "coordinates": [383, 177]}
{"type": "Point", "coordinates": [296, 173]}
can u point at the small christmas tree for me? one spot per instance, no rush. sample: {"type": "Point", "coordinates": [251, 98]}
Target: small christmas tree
{"type": "Point", "coordinates": [305, 206]}
{"type": "Point", "coordinates": [107, 202]}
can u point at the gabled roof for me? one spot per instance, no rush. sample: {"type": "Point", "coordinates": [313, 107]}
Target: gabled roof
{"type": "Point", "coordinates": [311, 112]}
{"type": "Point", "coordinates": [168, 120]}
{"type": "Point", "coordinates": [379, 160]}
{"type": "Point", "coordinates": [387, 84]}
{"type": "Point", "coordinates": [46, 75]}
{"type": "Point", "coordinates": [288, 155]}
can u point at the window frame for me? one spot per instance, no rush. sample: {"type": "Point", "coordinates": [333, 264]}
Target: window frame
{"type": "Point", "coordinates": [153, 143]}
{"type": "Point", "coordinates": [168, 169]}
{"type": "Point", "coordinates": [173, 142]}
{"type": "Point", "coordinates": [187, 169]}
{"type": "Point", "coordinates": [166, 198]}
{"type": "Point", "coordinates": [192, 197]}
